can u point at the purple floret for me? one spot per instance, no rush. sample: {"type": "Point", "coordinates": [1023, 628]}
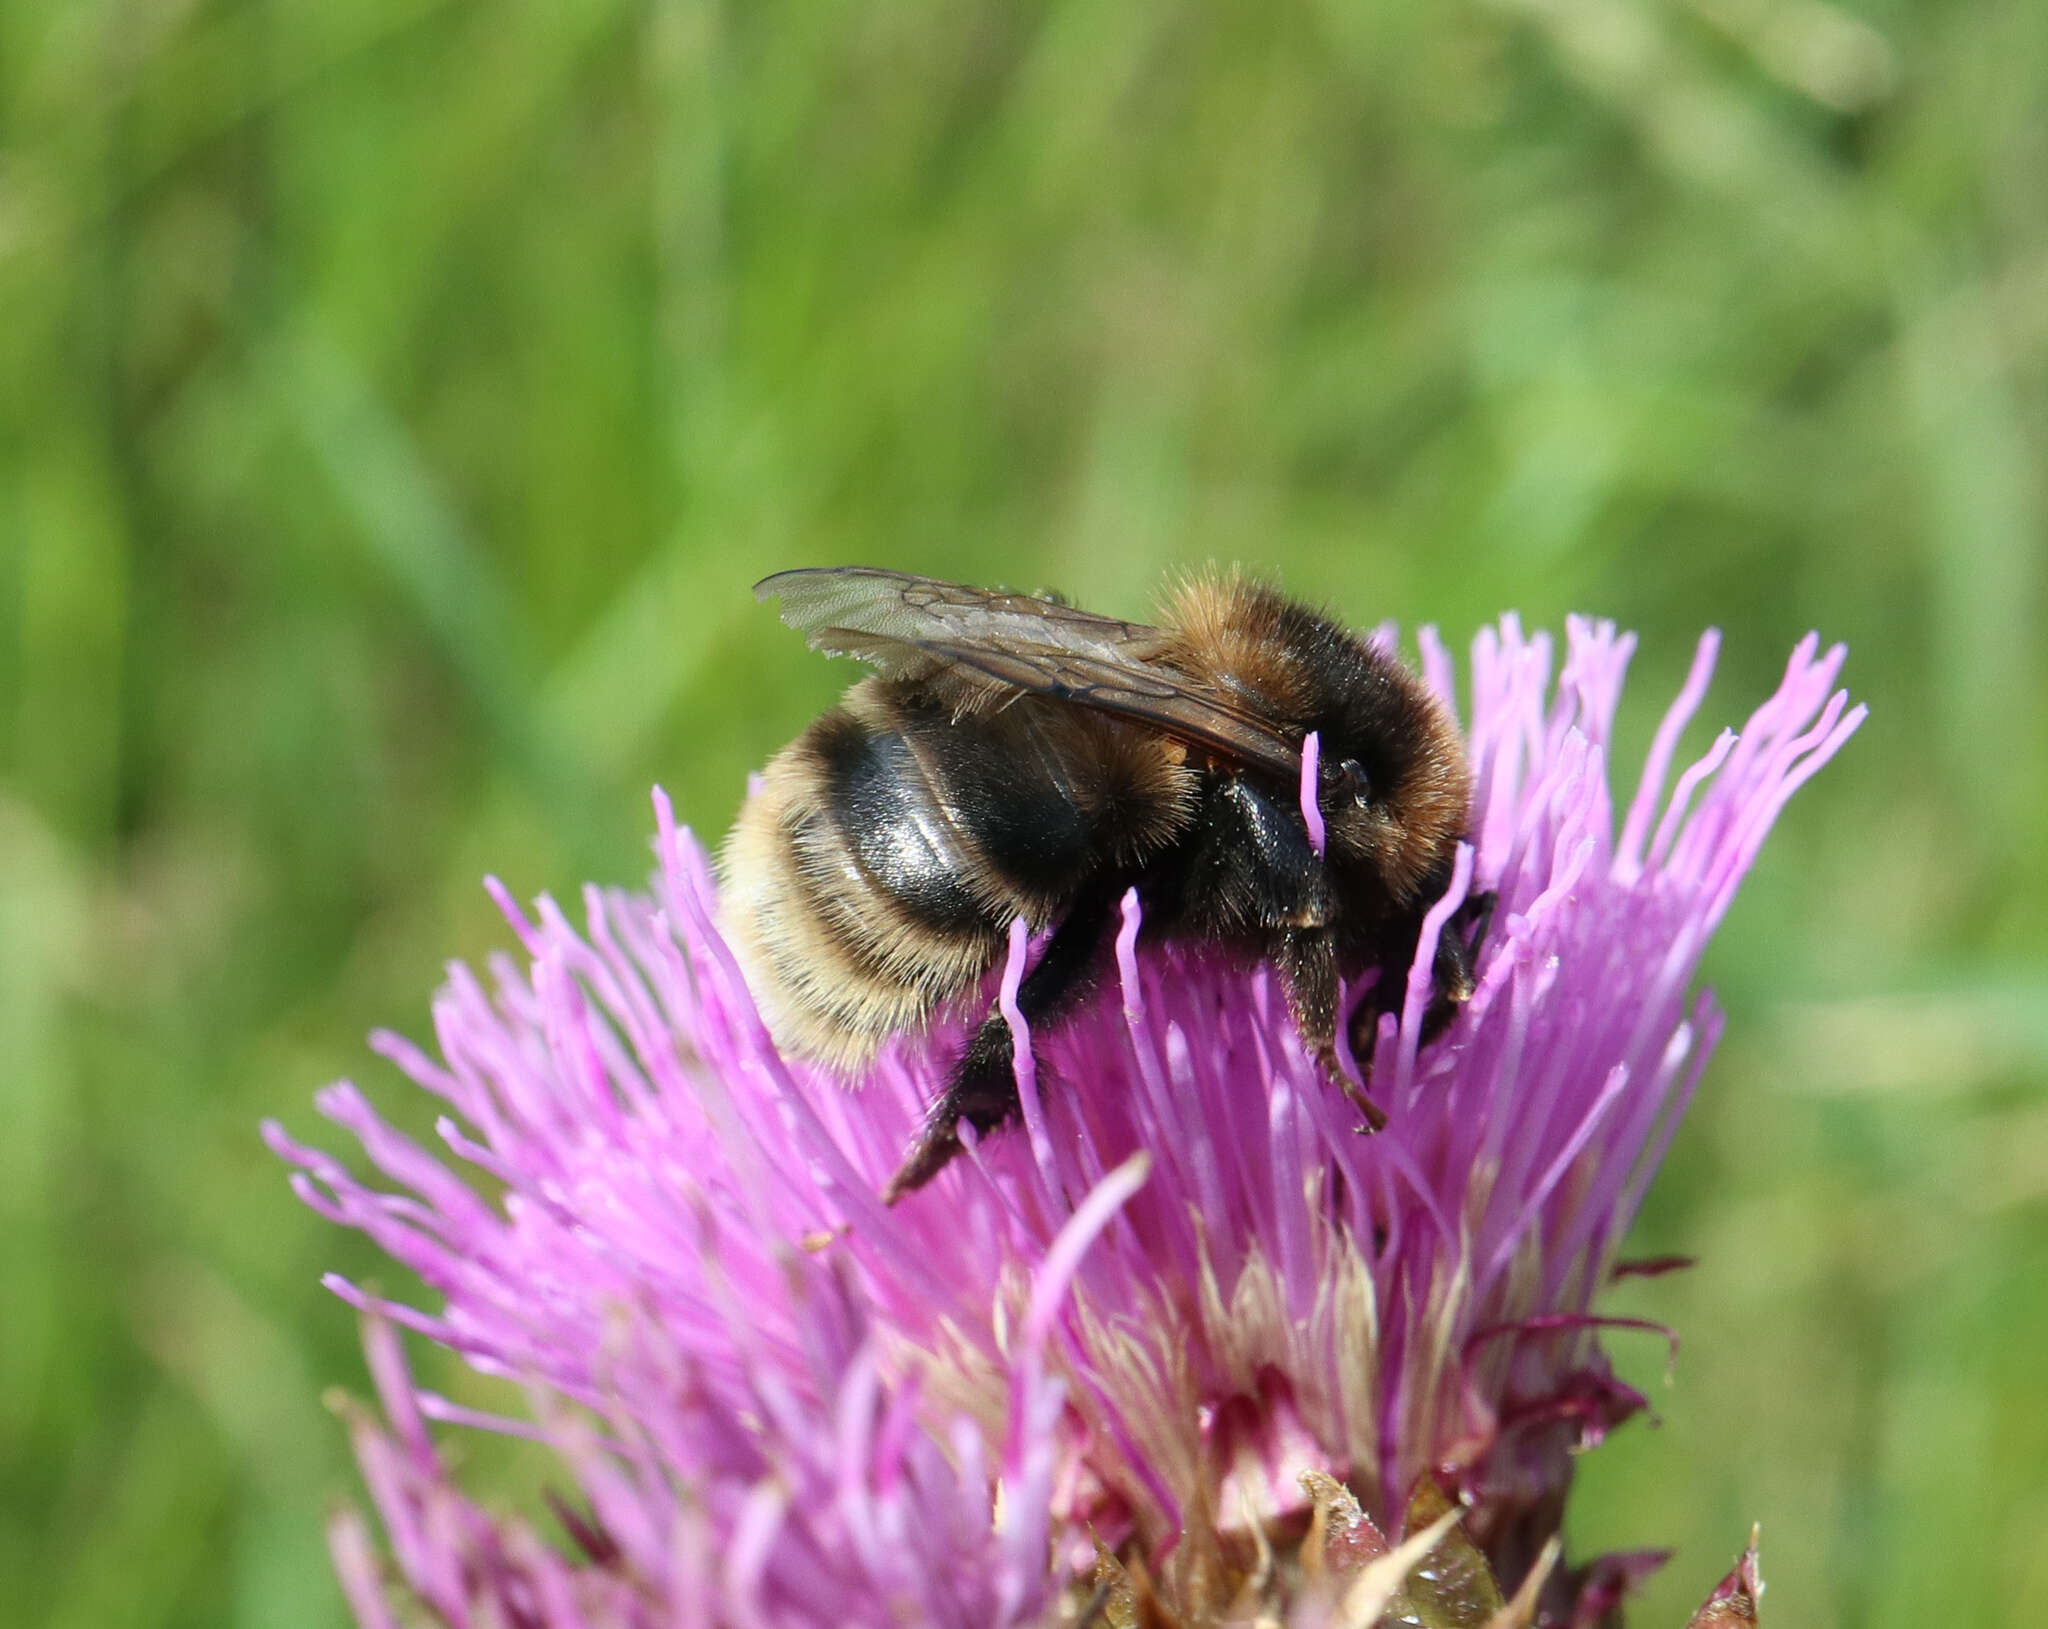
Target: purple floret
{"type": "Point", "coordinates": [1186, 1280]}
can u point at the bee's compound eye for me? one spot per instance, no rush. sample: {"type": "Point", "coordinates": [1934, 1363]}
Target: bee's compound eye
{"type": "Point", "coordinates": [1346, 782]}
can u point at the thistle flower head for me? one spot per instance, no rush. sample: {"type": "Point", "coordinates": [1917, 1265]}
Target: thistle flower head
{"type": "Point", "coordinates": [1187, 1340]}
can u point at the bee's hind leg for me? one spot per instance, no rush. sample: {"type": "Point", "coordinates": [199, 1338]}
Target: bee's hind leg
{"type": "Point", "coordinates": [983, 1093]}
{"type": "Point", "coordinates": [984, 1087]}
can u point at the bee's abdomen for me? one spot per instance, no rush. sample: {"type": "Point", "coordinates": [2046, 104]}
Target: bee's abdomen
{"type": "Point", "coordinates": [878, 809]}
{"type": "Point", "coordinates": [878, 867]}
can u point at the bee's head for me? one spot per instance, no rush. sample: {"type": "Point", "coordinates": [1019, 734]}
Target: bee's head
{"type": "Point", "coordinates": [1396, 811]}
{"type": "Point", "coordinates": [1393, 785]}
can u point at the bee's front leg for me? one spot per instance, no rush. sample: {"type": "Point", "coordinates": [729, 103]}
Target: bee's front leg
{"type": "Point", "coordinates": [1454, 977]}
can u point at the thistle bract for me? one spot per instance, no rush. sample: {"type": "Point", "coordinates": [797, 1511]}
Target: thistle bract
{"type": "Point", "coordinates": [1135, 1349]}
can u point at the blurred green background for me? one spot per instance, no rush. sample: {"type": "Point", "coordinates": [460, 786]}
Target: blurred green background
{"type": "Point", "coordinates": [397, 398]}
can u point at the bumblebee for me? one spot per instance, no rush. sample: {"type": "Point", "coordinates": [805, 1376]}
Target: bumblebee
{"type": "Point", "coordinates": [1014, 756]}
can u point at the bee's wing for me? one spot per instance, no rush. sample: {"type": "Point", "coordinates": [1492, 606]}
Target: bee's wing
{"type": "Point", "coordinates": [905, 625]}
{"type": "Point", "coordinates": [823, 602]}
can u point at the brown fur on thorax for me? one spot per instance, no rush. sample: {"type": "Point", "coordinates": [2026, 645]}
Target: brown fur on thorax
{"type": "Point", "coordinates": [1228, 632]}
